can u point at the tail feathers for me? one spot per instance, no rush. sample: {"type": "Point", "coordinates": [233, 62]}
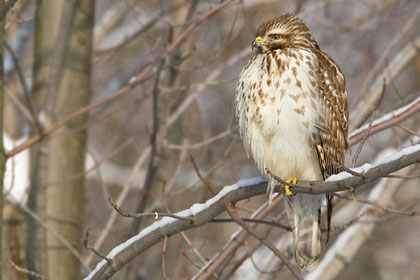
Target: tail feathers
{"type": "Point", "coordinates": [307, 242]}
{"type": "Point", "coordinates": [305, 214]}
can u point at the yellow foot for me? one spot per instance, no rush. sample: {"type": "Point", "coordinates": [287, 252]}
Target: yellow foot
{"type": "Point", "coordinates": [286, 188]}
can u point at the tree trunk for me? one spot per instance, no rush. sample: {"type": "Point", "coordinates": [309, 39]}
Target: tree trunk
{"type": "Point", "coordinates": [64, 38]}
{"type": "Point", "coordinates": [14, 242]}
{"type": "Point", "coordinates": [2, 153]}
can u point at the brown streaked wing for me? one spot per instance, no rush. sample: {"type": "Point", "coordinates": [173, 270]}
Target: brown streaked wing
{"type": "Point", "coordinates": [333, 95]}
{"type": "Point", "coordinates": [334, 130]}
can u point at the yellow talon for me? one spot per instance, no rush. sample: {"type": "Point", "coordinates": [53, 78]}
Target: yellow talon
{"type": "Point", "coordinates": [293, 180]}
{"type": "Point", "coordinates": [286, 188]}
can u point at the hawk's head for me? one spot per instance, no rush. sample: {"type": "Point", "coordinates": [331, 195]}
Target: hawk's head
{"type": "Point", "coordinates": [287, 31]}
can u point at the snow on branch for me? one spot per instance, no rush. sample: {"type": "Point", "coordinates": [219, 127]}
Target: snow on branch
{"type": "Point", "coordinates": [387, 120]}
{"type": "Point", "coordinates": [201, 212]}
{"type": "Point", "coordinates": [204, 212]}
{"type": "Point", "coordinates": [369, 173]}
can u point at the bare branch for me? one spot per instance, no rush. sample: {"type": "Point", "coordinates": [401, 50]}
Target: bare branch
{"type": "Point", "coordinates": [236, 240]}
{"type": "Point", "coordinates": [203, 213]}
{"type": "Point", "coordinates": [408, 130]}
{"type": "Point", "coordinates": [362, 143]}
{"type": "Point", "coordinates": [233, 213]}
{"type": "Point", "coordinates": [201, 177]}
{"type": "Point", "coordinates": [401, 59]}
{"type": "Point", "coordinates": [151, 168]}
{"type": "Point", "coordinates": [185, 255]}
{"type": "Point", "coordinates": [167, 226]}
{"type": "Point", "coordinates": [6, 7]}
{"type": "Point", "coordinates": [124, 192]}
{"type": "Point", "coordinates": [386, 121]}
{"type": "Point", "coordinates": [383, 208]}
{"type": "Point", "coordinates": [366, 135]}
{"type": "Point", "coordinates": [26, 271]}
{"type": "Point", "coordinates": [24, 86]}
{"type": "Point", "coordinates": [87, 246]}
{"type": "Point", "coordinates": [139, 215]}
{"type": "Point", "coordinates": [54, 233]}
{"type": "Point", "coordinates": [139, 78]}
{"type": "Point", "coordinates": [165, 240]}
{"type": "Point", "coordinates": [348, 170]}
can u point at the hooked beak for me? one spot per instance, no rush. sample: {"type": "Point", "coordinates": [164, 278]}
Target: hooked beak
{"type": "Point", "coordinates": [257, 43]}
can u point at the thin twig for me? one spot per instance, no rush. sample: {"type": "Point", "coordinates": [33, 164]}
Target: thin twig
{"type": "Point", "coordinates": [139, 78]}
{"type": "Point", "coordinates": [282, 226]}
{"type": "Point", "coordinates": [25, 89]}
{"type": "Point", "coordinates": [257, 221]}
{"type": "Point", "coordinates": [350, 171]}
{"type": "Point", "coordinates": [362, 143]}
{"type": "Point", "coordinates": [151, 168]}
{"type": "Point", "coordinates": [6, 7]}
{"type": "Point", "coordinates": [165, 240]}
{"type": "Point", "coordinates": [201, 177]}
{"type": "Point", "coordinates": [408, 130]}
{"type": "Point", "coordinates": [403, 177]}
{"type": "Point", "coordinates": [372, 115]}
{"type": "Point", "coordinates": [139, 215]}
{"type": "Point", "coordinates": [130, 38]}
{"type": "Point", "coordinates": [189, 243]}
{"type": "Point", "coordinates": [379, 102]}
{"type": "Point", "coordinates": [214, 138]}
{"type": "Point", "coordinates": [185, 255]}
{"type": "Point", "coordinates": [54, 233]}
{"type": "Point", "coordinates": [237, 239]}
{"type": "Point", "coordinates": [260, 270]}
{"type": "Point", "coordinates": [232, 212]}
{"type": "Point", "coordinates": [26, 271]}
{"type": "Point", "coordinates": [87, 246]}
{"type": "Point", "coordinates": [120, 199]}
{"type": "Point", "coordinates": [351, 222]}
{"type": "Point", "coordinates": [280, 180]}
{"type": "Point", "coordinates": [383, 208]}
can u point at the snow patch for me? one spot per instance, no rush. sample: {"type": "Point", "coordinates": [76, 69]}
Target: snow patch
{"type": "Point", "coordinates": [386, 156]}
{"type": "Point", "coordinates": [16, 180]}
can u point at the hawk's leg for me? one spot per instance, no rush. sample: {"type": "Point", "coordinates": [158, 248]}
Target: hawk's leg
{"type": "Point", "coordinates": [286, 188]}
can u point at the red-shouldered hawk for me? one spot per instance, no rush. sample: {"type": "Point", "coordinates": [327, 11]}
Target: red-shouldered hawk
{"type": "Point", "coordinates": [292, 110]}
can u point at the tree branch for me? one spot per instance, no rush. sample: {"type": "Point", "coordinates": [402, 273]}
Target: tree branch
{"type": "Point", "coordinates": [122, 91]}
{"type": "Point", "coordinates": [203, 213]}
{"type": "Point", "coordinates": [386, 121]}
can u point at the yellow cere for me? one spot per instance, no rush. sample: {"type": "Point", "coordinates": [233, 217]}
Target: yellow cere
{"type": "Point", "coordinates": [258, 39]}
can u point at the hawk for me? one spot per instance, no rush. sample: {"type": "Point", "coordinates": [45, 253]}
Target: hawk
{"type": "Point", "coordinates": [292, 109]}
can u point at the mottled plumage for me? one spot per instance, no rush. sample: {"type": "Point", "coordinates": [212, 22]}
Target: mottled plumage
{"type": "Point", "coordinates": [292, 110]}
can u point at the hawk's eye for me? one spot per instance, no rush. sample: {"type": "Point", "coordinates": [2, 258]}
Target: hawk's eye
{"type": "Point", "coordinates": [274, 36]}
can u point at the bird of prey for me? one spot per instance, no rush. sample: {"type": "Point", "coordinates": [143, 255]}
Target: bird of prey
{"type": "Point", "coordinates": [292, 109]}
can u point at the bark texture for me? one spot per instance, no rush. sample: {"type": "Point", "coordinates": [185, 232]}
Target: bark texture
{"type": "Point", "coordinates": [62, 71]}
